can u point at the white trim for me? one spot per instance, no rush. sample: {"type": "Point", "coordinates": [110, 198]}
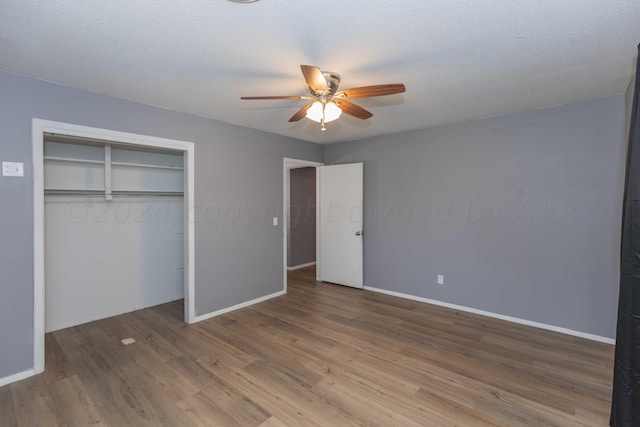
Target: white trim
{"type": "Point", "coordinates": [287, 165]}
{"type": "Point", "coordinates": [495, 315]}
{"type": "Point", "coordinates": [190, 236]}
{"type": "Point", "coordinates": [38, 128]}
{"type": "Point", "coordinates": [17, 377]}
{"type": "Point", "coordinates": [38, 244]}
{"type": "Point", "coordinates": [238, 306]}
{"type": "Point", "coordinates": [299, 266]}
{"type": "Point", "coordinates": [318, 218]}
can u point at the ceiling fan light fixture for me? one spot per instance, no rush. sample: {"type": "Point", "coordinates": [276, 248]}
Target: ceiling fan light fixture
{"type": "Point", "coordinates": [326, 113]}
{"type": "Point", "coordinates": [322, 86]}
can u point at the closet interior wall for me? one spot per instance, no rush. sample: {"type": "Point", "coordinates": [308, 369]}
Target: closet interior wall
{"type": "Point", "coordinates": [114, 229]}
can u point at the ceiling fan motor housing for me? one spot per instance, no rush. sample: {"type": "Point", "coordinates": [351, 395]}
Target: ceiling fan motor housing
{"type": "Point", "coordinates": [333, 81]}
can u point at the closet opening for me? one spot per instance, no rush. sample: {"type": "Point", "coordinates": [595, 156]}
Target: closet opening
{"type": "Point", "coordinates": [113, 226]}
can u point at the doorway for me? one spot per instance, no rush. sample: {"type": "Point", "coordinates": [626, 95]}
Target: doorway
{"type": "Point", "coordinates": [339, 221]}
{"type": "Point", "coordinates": [340, 224]}
{"type": "Point", "coordinates": [290, 165]}
{"type": "Point", "coordinates": [301, 242]}
{"type": "Point", "coordinates": [40, 128]}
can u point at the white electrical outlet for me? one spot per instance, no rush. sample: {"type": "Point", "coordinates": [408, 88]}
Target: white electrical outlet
{"type": "Point", "coordinates": [440, 279]}
{"type": "Point", "coordinates": [275, 221]}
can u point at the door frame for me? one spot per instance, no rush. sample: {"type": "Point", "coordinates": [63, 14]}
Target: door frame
{"type": "Point", "coordinates": [287, 165]}
{"type": "Point", "coordinates": [39, 128]}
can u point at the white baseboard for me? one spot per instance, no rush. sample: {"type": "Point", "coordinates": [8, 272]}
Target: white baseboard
{"type": "Point", "coordinates": [17, 377]}
{"type": "Point", "coordinates": [296, 267]}
{"type": "Point", "coordinates": [496, 316]}
{"type": "Point", "coordinates": [237, 306]}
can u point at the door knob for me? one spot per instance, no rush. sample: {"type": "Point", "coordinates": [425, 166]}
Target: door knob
{"type": "Point", "coordinates": [358, 233]}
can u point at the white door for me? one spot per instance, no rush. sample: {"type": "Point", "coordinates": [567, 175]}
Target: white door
{"type": "Point", "coordinates": [339, 239]}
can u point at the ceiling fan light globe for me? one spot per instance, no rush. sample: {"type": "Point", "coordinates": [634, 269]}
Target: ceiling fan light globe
{"type": "Point", "coordinates": [315, 112]}
{"type": "Point", "coordinates": [330, 111]}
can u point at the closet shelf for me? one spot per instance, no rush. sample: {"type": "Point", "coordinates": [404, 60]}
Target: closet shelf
{"type": "Point", "coordinates": [99, 191]}
{"type": "Point", "coordinates": [146, 193]}
{"type": "Point", "coordinates": [143, 165]}
{"type": "Point", "coordinates": [92, 192]}
{"type": "Point", "coordinates": [101, 162]}
{"type": "Point", "coordinates": [74, 160]}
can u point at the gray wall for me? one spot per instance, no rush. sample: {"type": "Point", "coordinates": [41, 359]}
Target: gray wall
{"type": "Point", "coordinates": [302, 217]}
{"type": "Point", "coordinates": [238, 190]}
{"type": "Point", "coordinates": [520, 213]}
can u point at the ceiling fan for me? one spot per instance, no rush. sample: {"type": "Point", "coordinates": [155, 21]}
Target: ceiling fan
{"type": "Point", "coordinates": [329, 103]}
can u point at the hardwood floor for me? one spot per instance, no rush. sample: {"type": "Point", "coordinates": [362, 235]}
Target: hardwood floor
{"type": "Point", "coordinates": [322, 355]}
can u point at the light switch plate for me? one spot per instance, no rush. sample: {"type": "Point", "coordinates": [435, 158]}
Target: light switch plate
{"type": "Point", "coordinates": [275, 221]}
{"type": "Point", "coordinates": [12, 169]}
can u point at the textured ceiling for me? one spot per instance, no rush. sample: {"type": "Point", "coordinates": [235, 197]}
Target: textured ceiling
{"type": "Point", "coordinates": [460, 59]}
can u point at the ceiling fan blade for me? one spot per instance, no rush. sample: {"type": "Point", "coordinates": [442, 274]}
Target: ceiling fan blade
{"type": "Point", "coordinates": [273, 97]}
{"type": "Point", "coordinates": [368, 91]}
{"type": "Point", "coordinates": [314, 78]}
{"type": "Point", "coordinates": [352, 109]}
{"type": "Point", "coordinates": [301, 113]}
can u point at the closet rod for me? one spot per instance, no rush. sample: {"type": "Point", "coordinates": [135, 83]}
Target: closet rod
{"type": "Point", "coordinates": [53, 192]}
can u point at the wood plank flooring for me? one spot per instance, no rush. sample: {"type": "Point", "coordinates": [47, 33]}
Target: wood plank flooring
{"type": "Point", "coordinates": [322, 355]}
